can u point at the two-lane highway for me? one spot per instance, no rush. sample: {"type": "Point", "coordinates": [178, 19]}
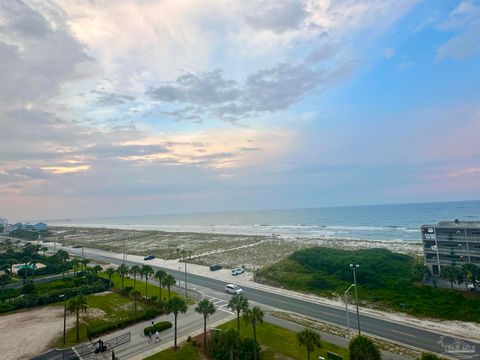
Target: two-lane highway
{"type": "Point", "coordinates": [383, 328]}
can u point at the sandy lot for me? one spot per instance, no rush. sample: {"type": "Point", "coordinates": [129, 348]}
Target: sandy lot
{"type": "Point", "coordinates": [29, 333]}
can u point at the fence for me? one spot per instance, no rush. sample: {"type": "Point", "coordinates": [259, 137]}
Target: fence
{"type": "Point", "coordinates": [82, 350]}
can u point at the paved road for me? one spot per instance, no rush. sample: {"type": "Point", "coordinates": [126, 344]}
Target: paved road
{"type": "Point", "coordinates": [409, 335]}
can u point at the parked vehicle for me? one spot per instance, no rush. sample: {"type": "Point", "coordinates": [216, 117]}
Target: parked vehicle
{"type": "Point", "coordinates": [149, 257]}
{"type": "Point", "coordinates": [215, 267]}
{"type": "Point", "coordinates": [237, 271]}
{"type": "Point", "coordinates": [233, 289]}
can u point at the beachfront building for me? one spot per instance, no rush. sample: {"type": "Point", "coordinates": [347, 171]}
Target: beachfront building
{"type": "Point", "coordinates": [451, 243]}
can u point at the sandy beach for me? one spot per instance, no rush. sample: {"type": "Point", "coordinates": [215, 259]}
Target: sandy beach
{"type": "Point", "coordinates": [251, 251]}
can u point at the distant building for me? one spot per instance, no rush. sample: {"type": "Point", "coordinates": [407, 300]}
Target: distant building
{"type": "Point", "coordinates": [451, 243]}
{"type": "Point", "coordinates": [3, 222]}
{"type": "Point", "coordinates": [40, 226]}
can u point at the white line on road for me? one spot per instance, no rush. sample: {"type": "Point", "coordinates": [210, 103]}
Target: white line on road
{"type": "Point", "coordinates": [399, 332]}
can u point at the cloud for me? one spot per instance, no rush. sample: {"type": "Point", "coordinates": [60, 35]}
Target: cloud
{"type": "Point", "coordinates": [36, 55]}
{"type": "Point", "coordinates": [277, 15]}
{"type": "Point", "coordinates": [106, 98]}
{"type": "Point", "coordinates": [466, 172]}
{"type": "Point", "coordinates": [22, 174]}
{"type": "Point", "coordinates": [465, 21]}
{"type": "Point", "coordinates": [265, 91]}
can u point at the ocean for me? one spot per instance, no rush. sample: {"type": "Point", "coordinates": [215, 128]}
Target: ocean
{"type": "Point", "coordinates": [373, 222]}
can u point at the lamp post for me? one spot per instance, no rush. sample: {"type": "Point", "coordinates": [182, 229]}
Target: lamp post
{"type": "Point", "coordinates": [354, 267]}
{"type": "Point", "coordinates": [64, 297]}
{"type": "Point", "coordinates": [184, 256]}
{"type": "Point", "coordinates": [346, 310]}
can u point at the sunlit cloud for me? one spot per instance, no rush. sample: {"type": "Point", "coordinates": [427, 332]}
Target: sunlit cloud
{"type": "Point", "coordinates": [65, 169]}
{"type": "Point", "coordinates": [466, 172]}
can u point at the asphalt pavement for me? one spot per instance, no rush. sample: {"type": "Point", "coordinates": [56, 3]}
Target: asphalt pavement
{"type": "Point", "coordinates": [419, 338]}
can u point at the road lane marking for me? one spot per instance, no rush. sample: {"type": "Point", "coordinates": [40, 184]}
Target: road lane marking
{"type": "Point", "coordinates": [399, 332]}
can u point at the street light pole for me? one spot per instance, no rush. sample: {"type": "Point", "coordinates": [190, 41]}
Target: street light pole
{"type": "Point", "coordinates": [64, 316]}
{"type": "Point", "coordinates": [354, 267]}
{"type": "Point", "coordinates": [346, 310]}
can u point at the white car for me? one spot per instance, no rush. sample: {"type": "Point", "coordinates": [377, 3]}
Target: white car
{"type": "Point", "coordinates": [237, 271]}
{"type": "Point", "coordinates": [233, 289]}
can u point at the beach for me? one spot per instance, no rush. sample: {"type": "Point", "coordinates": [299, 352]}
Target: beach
{"type": "Point", "coordinates": [230, 250]}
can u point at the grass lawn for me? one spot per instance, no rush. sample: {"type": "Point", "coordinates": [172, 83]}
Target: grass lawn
{"type": "Point", "coordinates": [277, 340]}
{"type": "Point", "coordinates": [152, 290]}
{"type": "Point", "coordinates": [187, 352]}
{"type": "Point", "coordinates": [105, 308]}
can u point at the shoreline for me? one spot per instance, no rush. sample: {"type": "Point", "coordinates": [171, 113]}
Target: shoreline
{"type": "Point", "coordinates": [221, 230]}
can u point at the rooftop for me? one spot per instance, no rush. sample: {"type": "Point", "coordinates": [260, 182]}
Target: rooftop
{"type": "Point", "coordinates": [448, 223]}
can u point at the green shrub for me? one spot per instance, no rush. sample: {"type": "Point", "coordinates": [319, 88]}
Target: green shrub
{"type": "Point", "coordinates": [384, 277]}
{"type": "Point", "coordinates": [160, 326]}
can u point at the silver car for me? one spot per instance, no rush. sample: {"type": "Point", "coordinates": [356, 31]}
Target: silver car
{"type": "Point", "coordinates": [233, 289]}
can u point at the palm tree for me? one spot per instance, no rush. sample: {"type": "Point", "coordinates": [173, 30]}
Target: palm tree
{"type": "Point", "coordinates": [254, 316]}
{"type": "Point", "coordinates": [176, 305]}
{"type": "Point", "coordinates": [146, 271]}
{"type": "Point", "coordinates": [134, 271]}
{"type": "Point", "coordinates": [135, 295]}
{"type": "Point", "coordinates": [361, 348]}
{"type": "Point", "coordinates": [75, 263]}
{"type": "Point", "coordinates": [168, 282]}
{"type": "Point", "coordinates": [160, 275]}
{"type": "Point", "coordinates": [310, 339]}
{"type": "Point", "coordinates": [206, 308]}
{"type": "Point", "coordinates": [76, 304]}
{"type": "Point", "coordinates": [110, 271]}
{"type": "Point", "coordinates": [421, 273]}
{"type": "Point", "coordinates": [97, 269]}
{"type": "Point", "coordinates": [26, 260]}
{"type": "Point", "coordinates": [122, 270]}
{"type": "Point", "coordinates": [449, 273]}
{"type": "Point", "coordinates": [85, 262]}
{"type": "Point", "coordinates": [238, 303]}
{"type": "Point", "coordinates": [471, 272]}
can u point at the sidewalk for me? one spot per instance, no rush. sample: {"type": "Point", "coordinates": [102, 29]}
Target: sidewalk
{"type": "Point", "coordinates": [139, 347]}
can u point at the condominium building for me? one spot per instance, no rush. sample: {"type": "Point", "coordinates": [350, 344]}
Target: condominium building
{"type": "Point", "coordinates": [451, 243]}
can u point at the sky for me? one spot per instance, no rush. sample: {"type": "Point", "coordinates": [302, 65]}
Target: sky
{"type": "Point", "coordinates": [179, 106]}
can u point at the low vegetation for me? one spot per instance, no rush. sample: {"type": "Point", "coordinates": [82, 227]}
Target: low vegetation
{"type": "Point", "coordinates": [31, 294]}
{"type": "Point", "coordinates": [268, 336]}
{"type": "Point", "coordinates": [385, 279]}
{"type": "Point", "coordinates": [186, 352]}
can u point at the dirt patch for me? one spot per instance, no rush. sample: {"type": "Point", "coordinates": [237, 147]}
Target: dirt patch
{"type": "Point", "coordinates": [29, 333]}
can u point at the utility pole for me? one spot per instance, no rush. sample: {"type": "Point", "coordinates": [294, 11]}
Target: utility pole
{"type": "Point", "coordinates": [354, 267]}
{"type": "Point", "coordinates": [346, 310]}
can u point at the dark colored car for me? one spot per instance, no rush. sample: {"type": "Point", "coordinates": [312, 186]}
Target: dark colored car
{"type": "Point", "coordinates": [149, 257]}
{"type": "Point", "coordinates": [215, 267]}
